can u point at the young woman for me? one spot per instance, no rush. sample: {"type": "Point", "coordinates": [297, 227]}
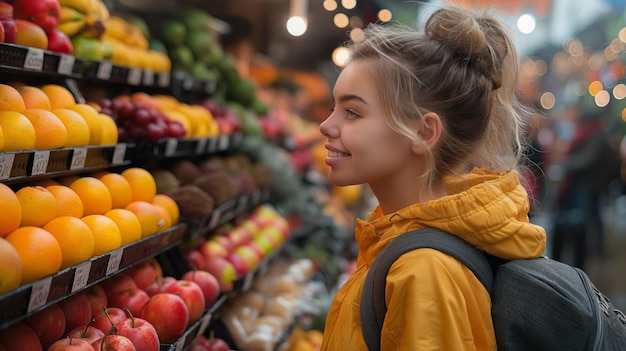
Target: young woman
{"type": "Point", "coordinates": [430, 122]}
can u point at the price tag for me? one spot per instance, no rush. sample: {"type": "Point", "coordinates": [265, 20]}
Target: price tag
{"type": "Point", "coordinates": [247, 281]}
{"type": "Point", "coordinates": [212, 145]}
{"type": "Point", "coordinates": [104, 70]}
{"type": "Point", "coordinates": [39, 293]}
{"type": "Point", "coordinates": [180, 344]}
{"type": "Point", "coordinates": [256, 196]}
{"type": "Point", "coordinates": [223, 142]}
{"type": "Point", "coordinates": [119, 153]}
{"type": "Point", "coordinates": [188, 83]}
{"type": "Point", "coordinates": [164, 79]}
{"type": "Point", "coordinates": [148, 77]}
{"type": "Point", "coordinates": [40, 162]}
{"type": "Point", "coordinates": [134, 76]}
{"type": "Point", "coordinates": [81, 276]}
{"type": "Point", "coordinates": [6, 164]}
{"type": "Point", "coordinates": [241, 205]}
{"type": "Point", "coordinates": [34, 59]}
{"type": "Point", "coordinates": [214, 219]}
{"type": "Point", "coordinates": [201, 146]}
{"type": "Point", "coordinates": [171, 146]}
{"type": "Point", "coordinates": [204, 324]}
{"type": "Point", "coordinates": [78, 158]}
{"type": "Point", "coordinates": [66, 64]}
{"type": "Point", "coordinates": [115, 258]}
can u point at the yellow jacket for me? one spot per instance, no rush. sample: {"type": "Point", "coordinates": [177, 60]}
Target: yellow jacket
{"type": "Point", "coordinates": [433, 301]}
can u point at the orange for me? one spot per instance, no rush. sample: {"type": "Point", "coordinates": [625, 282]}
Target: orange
{"type": "Point", "coordinates": [141, 182]}
{"type": "Point", "coordinates": [60, 96]}
{"type": "Point", "coordinates": [30, 34]}
{"type": "Point", "coordinates": [38, 204]}
{"type": "Point", "coordinates": [167, 219]}
{"type": "Point", "coordinates": [11, 99]}
{"type": "Point", "coordinates": [34, 97]}
{"type": "Point", "coordinates": [150, 218]}
{"type": "Point", "coordinates": [145, 99]}
{"type": "Point", "coordinates": [75, 238]}
{"type": "Point", "coordinates": [40, 253]}
{"type": "Point", "coordinates": [94, 121]}
{"type": "Point", "coordinates": [168, 204]}
{"type": "Point", "coordinates": [106, 234]}
{"type": "Point", "coordinates": [1, 139]}
{"type": "Point", "coordinates": [19, 132]}
{"type": "Point", "coordinates": [128, 224]}
{"type": "Point", "coordinates": [109, 130]}
{"type": "Point", "coordinates": [68, 202]}
{"type": "Point", "coordinates": [119, 187]}
{"type": "Point", "coordinates": [78, 132]}
{"type": "Point", "coordinates": [10, 267]}
{"type": "Point", "coordinates": [10, 210]}
{"type": "Point", "coordinates": [94, 194]}
{"type": "Point", "coordinates": [50, 132]}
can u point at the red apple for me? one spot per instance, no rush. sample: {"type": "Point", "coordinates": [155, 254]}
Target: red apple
{"type": "Point", "coordinates": [134, 299]}
{"type": "Point", "coordinates": [217, 344]}
{"type": "Point", "coordinates": [98, 299]}
{"type": "Point", "coordinates": [240, 264]}
{"type": "Point", "coordinates": [194, 259]}
{"type": "Point", "coordinates": [108, 318]}
{"type": "Point", "coordinates": [6, 9]}
{"type": "Point", "coordinates": [113, 342]}
{"type": "Point", "coordinates": [240, 235]}
{"type": "Point", "coordinates": [174, 325]}
{"type": "Point", "coordinates": [70, 344]}
{"type": "Point", "coordinates": [48, 324]}
{"type": "Point", "coordinates": [77, 310]}
{"type": "Point", "coordinates": [59, 42]}
{"type": "Point", "coordinates": [193, 296]}
{"type": "Point", "coordinates": [212, 248]}
{"type": "Point", "coordinates": [88, 333]}
{"type": "Point", "coordinates": [10, 29]}
{"type": "Point", "coordinates": [119, 282]}
{"type": "Point", "coordinates": [208, 283]}
{"type": "Point", "coordinates": [273, 234]}
{"type": "Point", "coordinates": [141, 332]}
{"type": "Point", "coordinates": [1, 33]}
{"type": "Point", "coordinates": [20, 336]}
{"type": "Point", "coordinates": [256, 247]}
{"type": "Point", "coordinates": [159, 285]}
{"type": "Point", "coordinates": [44, 13]}
{"type": "Point", "coordinates": [145, 273]}
{"type": "Point", "coordinates": [197, 347]}
{"type": "Point", "coordinates": [224, 271]}
{"type": "Point", "coordinates": [225, 241]}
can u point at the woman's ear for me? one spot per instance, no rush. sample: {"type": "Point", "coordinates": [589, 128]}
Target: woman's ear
{"type": "Point", "coordinates": [430, 130]}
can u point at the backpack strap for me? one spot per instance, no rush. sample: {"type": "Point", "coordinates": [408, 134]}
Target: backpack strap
{"type": "Point", "coordinates": [373, 306]}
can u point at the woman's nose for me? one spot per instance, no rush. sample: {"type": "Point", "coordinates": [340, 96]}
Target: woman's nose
{"type": "Point", "coordinates": [328, 128]}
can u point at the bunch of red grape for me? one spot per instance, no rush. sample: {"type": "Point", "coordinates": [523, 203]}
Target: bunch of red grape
{"type": "Point", "coordinates": [137, 122]}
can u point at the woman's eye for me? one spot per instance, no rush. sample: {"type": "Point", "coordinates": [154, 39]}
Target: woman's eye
{"type": "Point", "coordinates": [352, 114]}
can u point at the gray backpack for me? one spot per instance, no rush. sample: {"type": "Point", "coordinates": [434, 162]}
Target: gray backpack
{"type": "Point", "coordinates": [538, 304]}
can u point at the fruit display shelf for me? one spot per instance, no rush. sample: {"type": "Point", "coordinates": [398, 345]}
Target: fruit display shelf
{"type": "Point", "coordinates": [32, 60]}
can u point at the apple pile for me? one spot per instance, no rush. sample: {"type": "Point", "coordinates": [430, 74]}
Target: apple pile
{"type": "Point", "coordinates": [212, 343]}
{"type": "Point", "coordinates": [238, 247]}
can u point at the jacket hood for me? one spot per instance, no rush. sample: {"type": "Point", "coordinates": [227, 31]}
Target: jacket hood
{"type": "Point", "coordinates": [488, 209]}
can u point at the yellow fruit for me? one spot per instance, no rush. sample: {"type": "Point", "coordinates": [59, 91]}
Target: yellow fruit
{"type": "Point", "coordinates": [10, 267]}
{"type": "Point", "coordinates": [19, 132]}
{"type": "Point", "coordinates": [93, 119]}
{"type": "Point", "coordinates": [141, 182]}
{"type": "Point", "coordinates": [38, 205]}
{"type": "Point", "coordinates": [30, 34]}
{"type": "Point", "coordinates": [10, 209]}
{"type": "Point", "coordinates": [60, 96]}
{"type": "Point", "coordinates": [34, 97]}
{"type": "Point", "coordinates": [150, 218]}
{"type": "Point", "coordinates": [109, 130]}
{"type": "Point", "coordinates": [11, 99]}
{"type": "Point", "coordinates": [94, 194]}
{"type": "Point", "coordinates": [107, 236]}
{"type": "Point", "coordinates": [40, 253]}
{"type": "Point", "coordinates": [68, 202]}
{"type": "Point", "coordinates": [74, 237]}
{"type": "Point", "coordinates": [119, 187]}
{"type": "Point", "coordinates": [128, 224]}
{"type": "Point", "coordinates": [78, 132]}
{"type": "Point", "coordinates": [168, 204]}
{"type": "Point", "coordinates": [50, 132]}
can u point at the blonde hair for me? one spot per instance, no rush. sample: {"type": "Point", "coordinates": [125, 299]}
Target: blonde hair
{"type": "Point", "coordinates": [464, 67]}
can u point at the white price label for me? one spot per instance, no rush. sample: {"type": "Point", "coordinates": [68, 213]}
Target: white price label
{"type": "Point", "coordinates": [171, 146]}
{"type": "Point", "coordinates": [66, 64]}
{"type": "Point", "coordinates": [34, 59]}
{"type": "Point", "coordinates": [164, 79]}
{"type": "Point", "coordinates": [247, 281]}
{"type": "Point", "coordinates": [40, 162]}
{"type": "Point", "coordinates": [201, 146]}
{"type": "Point", "coordinates": [205, 323]}
{"type": "Point", "coordinates": [212, 145]}
{"type": "Point", "coordinates": [223, 142]}
{"type": "Point", "coordinates": [81, 276]}
{"type": "Point", "coordinates": [104, 70]}
{"type": "Point", "coordinates": [39, 293]}
{"type": "Point", "coordinates": [148, 77]}
{"type": "Point", "coordinates": [134, 76]}
{"type": "Point", "coordinates": [119, 153]}
{"type": "Point", "coordinates": [115, 258]}
{"type": "Point", "coordinates": [215, 216]}
{"type": "Point", "coordinates": [6, 164]}
{"type": "Point", "coordinates": [241, 205]}
{"type": "Point", "coordinates": [188, 83]}
{"type": "Point", "coordinates": [78, 158]}
{"type": "Point", "coordinates": [180, 344]}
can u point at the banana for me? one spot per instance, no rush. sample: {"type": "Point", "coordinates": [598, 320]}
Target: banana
{"type": "Point", "coordinates": [82, 6]}
{"type": "Point", "coordinates": [69, 14]}
{"type": "Point", "coordinates": [103, 11]}
{"type": "Point", "coordinates": [71, 28]}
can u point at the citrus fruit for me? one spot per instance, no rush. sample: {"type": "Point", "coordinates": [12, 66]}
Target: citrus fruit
{"type": "Point", "coordinates": [68, 202]}
{"type": "Point", "coordinates": [60, 96]}
{"type": "Point", "coordinates": [50, 132]}
{"type": "Point", "coordinates": [11, 99]}
{"type": "Point", "coordinates": [167, 219]}
{"type": "Point", "coordinates": [169, 204]}
{"type": "Point", "coordinates": [150, 218]}
{"type": "Point", "coordinates": [106, 234]}
{"type": "Point", "coordinates": [10, 209]}
{"type": "Point", "coordinates": [93, 119]}
{"type": "Point", "coordinates": [94, 194]}
{"type": "Point", "coordinates": [10, 267]}
{"type": "Point", "coordinates": [19, 133]}
{"type": "Point", "coordinates": [141, 182]}
{"type": "Point", "coordinates": [78, 133]}
{"type": "Point", "coordinates": [128, 224]}
{"type": "Point", "coordinates": [34, 97]}
{"type": "Point", "coordinates": [119, 187]}
{"type": "Point", "coordinates": [109, 130]}
{"type": "Point", "coordinates": [38, 205]}
{"type": "Point", "coordinates": [40, 253]}
{"type": "Point", "coordinates": [1, 139]}
{"type": "Point", "coordinates": [74, 237]}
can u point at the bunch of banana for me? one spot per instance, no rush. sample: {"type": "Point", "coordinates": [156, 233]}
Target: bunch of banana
{"type": "Point", "coordinates": [83, 17]}
{"type": "Point", "coordinates": [122, 30]}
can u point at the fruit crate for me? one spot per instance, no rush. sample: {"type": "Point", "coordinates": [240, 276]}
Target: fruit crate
{"type": "Point", "coordinates": [30, 298]}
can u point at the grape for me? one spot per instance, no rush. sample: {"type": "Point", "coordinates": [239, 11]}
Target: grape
{"type": "Point", "coordinates": [142, 116]}
{"type": "Point", "coordinates": [126, 110]}
{"type": "Point", "coordinates": [137, 132]}
{"type": "Point", "coordinates": [105, 103]}
{"type": "Point", "coordinates": [175, 129]}
{"type": "Point", "coordinates": [154, 132]}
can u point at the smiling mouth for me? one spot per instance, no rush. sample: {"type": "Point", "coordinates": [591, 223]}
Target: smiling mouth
{"type": "Point", "coordinates": [337, 154]}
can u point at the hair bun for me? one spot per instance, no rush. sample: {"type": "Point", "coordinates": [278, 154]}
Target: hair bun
{"type": "Point", "coordinates": [458, 30]}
